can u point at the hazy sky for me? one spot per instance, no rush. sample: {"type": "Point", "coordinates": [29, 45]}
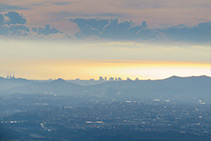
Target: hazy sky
{"type": "Point", "coordinates": [41, 39]}
{"type": "Point", "coordinates": [85, 60]}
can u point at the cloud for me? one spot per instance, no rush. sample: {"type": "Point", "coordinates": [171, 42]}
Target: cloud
{"type": "Point", "coordinates": [16, 26]}
{"type": "Point", "coordinates": [1, 19]}
{"type": "Point", "coordinates": [3, 29]}
{"type": "Point", "coordinates": [14, 30]}
{"type": "Point", "coordinates": [113, 29]}
{"type": "Point", "coordinates": [47, 30]}
{"type": "Point", "coordinates": [62, 3]}
{"type": "Point", "coordinates": [157, 13]}
{"type": "Point", "coordinates": [6, 7]}
{"type": "Point", "coordinates": [15, 18]}
{"type": "Point", "coordinates": [19, 30]}
{"type": "Point", "coordinates": [198, 33]}
{"type": "Point", "coordinates": [89, 27]}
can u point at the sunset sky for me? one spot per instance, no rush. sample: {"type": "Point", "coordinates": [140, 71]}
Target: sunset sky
{"type": "Point", "coordinates": [69, 39]}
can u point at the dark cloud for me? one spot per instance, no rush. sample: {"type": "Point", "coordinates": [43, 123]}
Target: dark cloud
{"type": "Point", "coordinates": [117, 30]}
{"type": "Point", "coordinates": [3, 30]}
{"type": "Point", "coordinates": [19, 30]}
{"type": "Point", "coordinates": [34, 29]}
{"type": "Point", "coordinates": [127, 30]}
{"type": "Point", "coordinates": [198, 33]}
{"type": "Point", "coordinates": [15, 18]}
{"type": "Point", "coordinates": [90, 27]}
{"type": "Point", "coordinates": [1, 19]}
{"type": "Point", "coordinates": [47, 30]}
{"type": "Point", "coordinates": [15, 26]}
{"type": "Point", "coordinates": [112, 29]}
{"type": "Point", "coordinates": [14, 30]}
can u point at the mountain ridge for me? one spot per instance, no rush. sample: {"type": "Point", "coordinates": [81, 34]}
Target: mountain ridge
{"type": "Point", "coordinates": [180, 88]}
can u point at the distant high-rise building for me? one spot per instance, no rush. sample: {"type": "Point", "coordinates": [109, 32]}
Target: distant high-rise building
{"type": "Point", "coordinates": [119, 79]}
{"type": "Point", "coordinates": [111, 79]}
{"type": "Point", "coordinates": [128, 78]}
{"type": "Point", "coordinates": [105, 78]}
{"type": "Point", "coordinates": [101, 78]}
{"type": "Point", "coordinates": [8, 75]}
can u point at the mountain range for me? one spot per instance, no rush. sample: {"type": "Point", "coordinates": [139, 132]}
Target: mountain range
{"type": "Point", "coordinates": [173, 88]}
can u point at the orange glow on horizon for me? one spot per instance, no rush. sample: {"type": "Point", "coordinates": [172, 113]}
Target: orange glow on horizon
{"type": "Point", "coordinates": [86, 69]}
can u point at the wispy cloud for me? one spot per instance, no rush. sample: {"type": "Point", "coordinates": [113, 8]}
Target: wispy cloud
{"type": "Point", "coordinates": [61, 3]}
{"type": "Point", "coordinates": [7, 7]}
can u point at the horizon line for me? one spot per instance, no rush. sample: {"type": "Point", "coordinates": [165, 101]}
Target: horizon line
{"type": "Point", "coordinates": [108, 78]}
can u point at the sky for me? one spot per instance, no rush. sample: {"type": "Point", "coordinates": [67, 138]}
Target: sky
{"type": "Point", "coordinates": [147, 39]}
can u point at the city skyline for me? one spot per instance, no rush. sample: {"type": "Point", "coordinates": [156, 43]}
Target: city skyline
{"type": "Point", "coordinates": [105, 70]}
{"type": "Point", "coordinates": [11, 75]}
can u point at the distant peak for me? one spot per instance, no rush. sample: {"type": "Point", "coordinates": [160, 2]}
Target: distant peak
{"type": "Point", "coordinates": [177, 77]}
{"type": "Point", "coordinates": [59, 80]}
{"type": "Point", "coordinates": [173, 77]}
{"type": "Point", "coordinates": [1, 78]}
{"type": "Point", "coordinates": [204, 76]}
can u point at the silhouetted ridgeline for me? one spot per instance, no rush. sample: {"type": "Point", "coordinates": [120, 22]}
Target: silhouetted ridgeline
{"type": "Point", "coordinates": [173, 88]}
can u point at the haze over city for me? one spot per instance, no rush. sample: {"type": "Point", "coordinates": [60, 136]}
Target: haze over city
{"type": "Point", "coordinates": [90, 70]}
